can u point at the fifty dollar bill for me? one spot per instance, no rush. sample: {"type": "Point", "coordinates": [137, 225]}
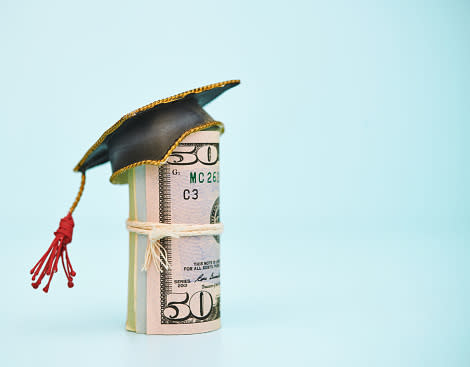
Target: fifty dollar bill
{"type": "Point", "coordinates": [186, 298]}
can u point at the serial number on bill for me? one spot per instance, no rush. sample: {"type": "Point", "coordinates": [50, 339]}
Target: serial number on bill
{"type": "Point", "coordinates": [204, 177]}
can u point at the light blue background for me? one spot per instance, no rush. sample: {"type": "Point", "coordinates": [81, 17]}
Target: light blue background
{"type": "Point", "coordinates": [345, 171]}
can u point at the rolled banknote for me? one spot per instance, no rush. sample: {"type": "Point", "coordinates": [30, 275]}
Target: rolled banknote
{"type": "Point", "coordinates": [184, 297]}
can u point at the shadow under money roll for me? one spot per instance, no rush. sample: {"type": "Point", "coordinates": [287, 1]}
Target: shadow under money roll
{"type": "Point", "coordinates": [168, 153]}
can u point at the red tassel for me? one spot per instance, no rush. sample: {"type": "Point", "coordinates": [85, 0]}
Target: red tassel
{"type": "Point", "coordinates": [57, 250]}
{"type": "Point", "coordinates": [47, 265]}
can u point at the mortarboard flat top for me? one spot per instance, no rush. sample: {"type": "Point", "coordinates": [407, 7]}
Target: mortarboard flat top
{"type": "Point", "coordinates": [149, 134]}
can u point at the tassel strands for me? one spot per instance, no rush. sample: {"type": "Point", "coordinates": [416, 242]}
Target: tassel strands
{"type": "Point", "coordinates": [48, 264]}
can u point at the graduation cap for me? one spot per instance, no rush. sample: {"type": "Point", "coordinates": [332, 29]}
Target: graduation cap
{"type": "Point", "coordinates": [147, 135]}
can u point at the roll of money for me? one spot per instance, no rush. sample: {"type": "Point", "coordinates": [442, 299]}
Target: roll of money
{"type": "Point", "coordinates": [185, 298]}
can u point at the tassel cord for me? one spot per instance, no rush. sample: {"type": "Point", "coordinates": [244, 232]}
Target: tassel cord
{"type": "Point", "coordinates": [79, 194]}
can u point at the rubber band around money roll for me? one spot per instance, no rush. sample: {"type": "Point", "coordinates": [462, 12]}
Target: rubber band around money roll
{"type": "Point", "coordinates": [155, 252]}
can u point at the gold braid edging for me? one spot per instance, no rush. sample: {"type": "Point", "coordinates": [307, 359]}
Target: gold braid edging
{"type": "Point", "coordinates": [115, 177]}
{"type": "Point", "coordinates": [145, 108]}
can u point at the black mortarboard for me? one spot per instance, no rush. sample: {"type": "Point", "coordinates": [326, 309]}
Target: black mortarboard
{"type": "Point", "coordinates": [147, 135]}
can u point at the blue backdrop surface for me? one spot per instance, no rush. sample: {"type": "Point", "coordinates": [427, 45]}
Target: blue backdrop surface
{"type": "Point", "coordinates": [345, 191]}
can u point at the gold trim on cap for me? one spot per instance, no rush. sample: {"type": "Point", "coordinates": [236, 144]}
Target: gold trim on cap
{"type": "Point", "coordinates": [145, 108]}
{"type": "Point", "coordinates": [120, 176]}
